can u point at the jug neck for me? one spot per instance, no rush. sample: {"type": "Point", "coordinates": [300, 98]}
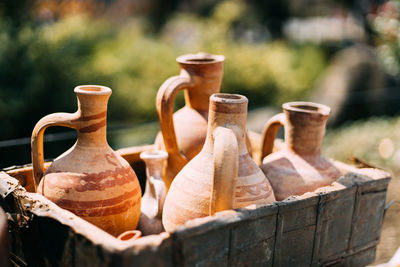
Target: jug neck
{"type": "Point", "coordinates": [155, 161]}
{"type": "Point", "coordinates": [305, 126]}
{"type": "Point", "coordinates": [230, 111]}
{"type": "Point", "coordinates": [92, 122]}
{"type": "Point", "coordinates": [206, 73]}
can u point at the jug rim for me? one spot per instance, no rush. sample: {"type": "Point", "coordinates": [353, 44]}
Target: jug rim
{"type": "Point", "coordinates": [90, 89]}
{"type": "Point", "coordinates": [154, 154]}
{"type": "Point", "coordinates": [200, 58]}
{"type": "Point", "coordinates": [228, 98]}
{"type": "Point", "coordinates": [307, 107]}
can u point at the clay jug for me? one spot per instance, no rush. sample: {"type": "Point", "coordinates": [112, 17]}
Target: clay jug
{"type": "Point", "coordinates": [223, 175]}
{"type": "Point", "coordinates": [155, 192]}
{"type": "Point", "coordinates": [298, 167]}
{"type": "Point", "coordinates": [89, 179]}
{"type": "Point", "coordinates": [184, 132]}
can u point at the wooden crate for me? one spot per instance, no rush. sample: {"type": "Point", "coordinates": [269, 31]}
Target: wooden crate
{"type": "Point", "coordinates": [337, 225]}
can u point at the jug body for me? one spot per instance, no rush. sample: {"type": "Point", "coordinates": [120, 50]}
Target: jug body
{"type": "Point", "coordinates": [223, 175]}
{"type": "Point", "coordinates": [299, 166]}
{"type": "Point", "coordinates": [89, 179]}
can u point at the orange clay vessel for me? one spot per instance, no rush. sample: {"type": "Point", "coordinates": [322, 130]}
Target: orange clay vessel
{"type": "Point", "coordinates": [223, 175]}
{"type": "Point", "coordinates": [184, 132]}
{"type": "Point", "coordinates": [89, 179]}
{"type": "Point", "coordinates": [299, 167]}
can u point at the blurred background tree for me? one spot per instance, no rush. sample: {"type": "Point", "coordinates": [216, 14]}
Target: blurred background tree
{"type": "Point", "coordinates": [275, 52]}
{"type": "Point", "coordinates": [47, 47]}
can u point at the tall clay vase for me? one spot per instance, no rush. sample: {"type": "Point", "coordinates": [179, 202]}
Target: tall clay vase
{"type": "Point", "coordinates": [184, 133]}
{"type": "Point", "coordinates": [89, 179]}
{"type": "Point", "coordinates": [223, 175]}
{"type": "Point", "coordinates": [155, 192]}
{"type": "Point", "coordinates": [299, 167]}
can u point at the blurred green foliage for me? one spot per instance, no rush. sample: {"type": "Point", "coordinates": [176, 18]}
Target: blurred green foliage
{"type": "Point", "coordinates": [385, 23]}
{"type": "Point", "coordinates": [41, 63]}
{"type": "Point", "coordinates": [375, 141]}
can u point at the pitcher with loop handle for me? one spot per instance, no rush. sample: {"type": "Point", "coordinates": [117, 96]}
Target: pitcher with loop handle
{"type": "Point", "coordinates": [183, 133]}
{"type": "Point", "coordinates": [223, 175]}
{"type": "Point", "coordinates": [299, 167]}
{"type": "Point", "coordinates": [89, 179]}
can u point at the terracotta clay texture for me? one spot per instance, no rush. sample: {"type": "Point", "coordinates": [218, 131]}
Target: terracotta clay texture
{"type": "Point", "coordinates": [184, 132]}
{"type": "Point", "coordinates": [89, 179]}
{"type": "Point", "coordinates": [155, 192]}
{"type": "Point", "coordinates": [299, 167]}
{"type": "Point", "coordinates": [223, 175]}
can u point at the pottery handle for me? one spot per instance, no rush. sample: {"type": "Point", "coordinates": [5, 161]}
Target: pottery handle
{"type": "Point", "coordinates": [165, 108]}
{"type": "Point", "coordinates": [269, 134]}
{"type": "Point", "coordinates": [226, 165]}
{"type": "Point", "coordinates": [55, 119]}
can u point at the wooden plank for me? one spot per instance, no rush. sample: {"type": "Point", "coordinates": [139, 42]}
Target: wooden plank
{"type": "Point", "coordinates": [367, 222]}
{"type": "Point", "coordinates": [252, 237]}
{"type": "Point", "coordinates": [326, 227]}
{"type": "Point", "coordinates": [295, 230]}
{"type": "Point", "coordinates": [258, 254]}
{"type": "Point", "coordinates": [297, 247]}
{"type": "Point", "coordinates": [335, 219]}
{"type": "Point", "coordinates": [24, 175]}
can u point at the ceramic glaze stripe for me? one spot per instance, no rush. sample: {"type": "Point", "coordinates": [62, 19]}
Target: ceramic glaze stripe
{"type": "Point", "coordinates": [91, 181]}
{"type": "Point", "coordinates": [92, 117]}
{"type": "Point", "coordinates": [252, 199]}
{"type": "Point", "coordinates": [247, 166]}
{"type": "Point", "coordinates": [185, 189]}
{"type": "Point", "coordinates": [228, 109]}
{"type": "Point", "coordinates": [255, 189]}
{"type": "Point", "coordinates": [113, 210]}
{"type": "Point", "coordinates": [74, 204]}
{"type": "Point", "coordinates": [93, 127]}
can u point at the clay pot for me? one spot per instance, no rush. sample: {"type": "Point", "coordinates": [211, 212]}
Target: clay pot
{"type": "Point", "coordinates": [299, 167]}
{"type": "Point", "coordinates": [155, 192]}
{"type": "Point", "coordinates": [89, 179]}
{"type": "Point", "coordinates": [223, 175]}
{"type": "Point", "coordinates": [184, 132]}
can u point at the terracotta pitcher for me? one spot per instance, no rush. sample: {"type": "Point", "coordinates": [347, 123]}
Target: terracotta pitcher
{"type": "Point", "coordinates": [184, 132]}
{"type": "Point", "coordinates": [223, 175]}
{"type": "Point", "coordinates": [299, 167]}
{"type": "Point", "coordinates": [89, 179]}
{"type": "Point", "coordinates": [155, 192]}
